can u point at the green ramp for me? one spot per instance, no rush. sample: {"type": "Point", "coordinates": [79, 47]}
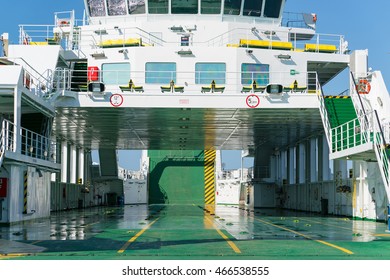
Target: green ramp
{"type": "Point", "coordinates": [177, 177]}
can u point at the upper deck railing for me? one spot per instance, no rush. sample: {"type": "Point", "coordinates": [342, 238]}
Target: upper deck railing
{"type": "Point", "coordinates": [194, 82]}
{"type": "Point", "coordinates": [71, 37]}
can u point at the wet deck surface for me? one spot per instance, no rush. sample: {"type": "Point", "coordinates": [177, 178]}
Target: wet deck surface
{"type": "Point", "coordinates": [193, 232]}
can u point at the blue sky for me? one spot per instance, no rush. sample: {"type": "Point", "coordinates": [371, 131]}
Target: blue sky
{"type": "Point", "coordinates": [364, 25]}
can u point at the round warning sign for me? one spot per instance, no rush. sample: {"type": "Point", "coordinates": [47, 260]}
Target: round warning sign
{"type": "Point", "coordinates": [252, 101]}
{"type": "Point", "coordinates": [116, 100]}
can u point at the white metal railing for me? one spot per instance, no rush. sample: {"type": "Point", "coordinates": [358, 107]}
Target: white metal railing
{"type": "Point", "coordinates": [381, 151]}
{"type": "Point", "coordinates": [95, 39]}
{"type": "Point", "coordinates": [38, 84]}
{"type": "Point", "coordinates": [374, 128]}
{"type": "Point", "coordinates": [189, 82]}
{"type": "Point", "coordinates": [7, 137]}
{"type": "Point", "coordinates": [37, 146]}
{"type": "Point", "coordinates": [324, 115]}
{"type": "Point", "coordinates": [2, 144]}
{"type": "Point", "coordinates": [364, 129]}
{"type": "Point", "coordinates": [32, 144]}
{"type": "Point", "coordinates": [350, 134]}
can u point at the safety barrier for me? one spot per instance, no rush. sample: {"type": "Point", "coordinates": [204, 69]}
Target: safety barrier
{"type": "Point", "coordinates": [32, 144]}
{"type": "Point", "coordinates": [196, 82]}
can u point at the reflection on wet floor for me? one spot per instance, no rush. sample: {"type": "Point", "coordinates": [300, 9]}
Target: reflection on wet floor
{"type": "Point", "coordinates": [240, 222]}
{"type": "Point", "coordinates": [190, 230]}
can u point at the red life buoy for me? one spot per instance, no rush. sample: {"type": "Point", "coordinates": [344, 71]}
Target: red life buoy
{"type": "Point", "coordinates": [363, 87]}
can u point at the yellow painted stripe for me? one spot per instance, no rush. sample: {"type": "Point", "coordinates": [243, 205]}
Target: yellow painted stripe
{"type": "Point", "coordinates": [354, 196]}
{"type": "Point", "coordinates": [134, 238]}
{"type": "Point", "coordinates": [10, 256]}
{"type": "Point", "coordinates": [382, 235]}
{"type": "Point", "coordinates": [307, 237]}
{"type": "Point", "coordinates": [25, 183]}
{"type": "Point", "coordinates": [231, 243]}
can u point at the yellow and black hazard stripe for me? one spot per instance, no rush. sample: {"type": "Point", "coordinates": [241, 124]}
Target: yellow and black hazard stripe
{"type": "Point", "coordinates": [25, 193]}
{"type": "Point", "coordinates": [209, 177]}
{"type": "Point", "coordinates": [337, 96]}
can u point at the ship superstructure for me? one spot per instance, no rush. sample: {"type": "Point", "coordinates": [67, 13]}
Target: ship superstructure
{"type": "Point", "coordinates": [183, 80]}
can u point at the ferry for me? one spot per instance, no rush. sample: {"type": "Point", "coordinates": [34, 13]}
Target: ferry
{"type": "Point", "coordinates": [182, 81]}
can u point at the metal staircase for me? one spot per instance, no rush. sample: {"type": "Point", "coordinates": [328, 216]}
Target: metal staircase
{"type": "Point", "coordinates": [355, 136]}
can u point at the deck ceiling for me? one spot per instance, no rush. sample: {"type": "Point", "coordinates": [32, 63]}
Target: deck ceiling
{"type": "Point", "coordinates": [176, 128]}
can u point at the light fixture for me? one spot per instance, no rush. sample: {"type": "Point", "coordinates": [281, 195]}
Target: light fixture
{"type": "Point", "coordinates": [101, 31]}
{"type": "Point", "coordinates": [183, 52]}
{"type": "Point", "coordinates": [269, 32]}
{"type": "Point", "coordinates": [98, 55]}
{"type": "Point", "coordinates": [176, 28]}
{"type": "Point", "coordinates": [96, 87]}
{"type": "Point", "coordinates": [124, 51]}
{"type": "Point", "coordinates": [249, 51]}
{"type": "Point", "coordinates": [284, 56]}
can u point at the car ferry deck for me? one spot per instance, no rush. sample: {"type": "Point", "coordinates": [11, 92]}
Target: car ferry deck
{"type": "Point", "coordinates": [183, 81]}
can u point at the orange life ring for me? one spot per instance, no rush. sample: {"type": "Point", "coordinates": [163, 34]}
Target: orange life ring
{"type": "Point", "coordinates": [314, 18]}
{"type": "Point", "coordinates": [363, 87]}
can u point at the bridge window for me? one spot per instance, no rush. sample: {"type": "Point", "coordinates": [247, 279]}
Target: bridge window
{"type": "Point", "coordinates": [160, 72]}
{"type": "Point", "coordinates": [116, 73]}
{"type": "Point", "coordinates": [252, 8]}
{"type": "Point", "coordinates": [272, 8]}
{"type": "Point", "coordinates": [96, 8]}
{"type": "Point", "coordinates": [205, 73]}
{"type": "Point", "coordinates": [211, 6]}
{"type": "Point", "coordinates": [232, 7]}
{"type": "Point", "coordinates": [136, 6]}
{"type": "Point", "coordinates": [158, 6]}
{"type": "Point", "coordinates": [254, 72]}
{"type": "Point", "coordinates": [116, 7]}
{"type": "Point", "coordinates": [184, 7]}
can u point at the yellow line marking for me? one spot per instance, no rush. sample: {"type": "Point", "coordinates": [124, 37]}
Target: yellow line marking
{"type": "Point", "coordinates": [382, 235]}
{"type": "Point", "coordinates": [325, 224]}
{"type": "Point", "coordinates": [231, 243]}
{"type": "Point", "coordinates": [308, 237]}
{"type": "Point", "coordinates": [134, 238]}
{"type": "Point", "coordinates": [9, 256]}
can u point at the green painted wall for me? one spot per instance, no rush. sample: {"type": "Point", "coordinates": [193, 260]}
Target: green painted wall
{"type": "Point", "coordinates": [176, 177]}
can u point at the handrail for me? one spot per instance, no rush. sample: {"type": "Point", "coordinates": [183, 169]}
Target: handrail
{"type": "Point", "coordinates": [25, 63]}
{"type": "Point", "coordinates": [380, 151]}
{"type": "Point", "coordinates": [191, 81]}
{"type": "Point", "coordinates": [324, 115]}
{"type": "Point", "coordinates": [32, 144]}
{"type": "Point", "coordinates": [2, 144]}
{"type": "Point", "coordinates": [375, 127]}
{"type": "Point", "coordinates": [353, 91]}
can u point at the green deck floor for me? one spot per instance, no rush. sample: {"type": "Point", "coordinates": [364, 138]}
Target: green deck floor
{"type": "Point", "coordinates": [191, 232]}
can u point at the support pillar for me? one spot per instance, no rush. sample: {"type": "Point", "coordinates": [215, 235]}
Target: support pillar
{"type": "Point", "coordinates": [323, 159]}
{"type": "Point", "coordinates": [73, 164]}
{"type": "Point", "coordinates": [17, 120]}
{"type": "Point", "coordinates": [81, 165]}
{"type": "Point", "coordinates": [64, 162]}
